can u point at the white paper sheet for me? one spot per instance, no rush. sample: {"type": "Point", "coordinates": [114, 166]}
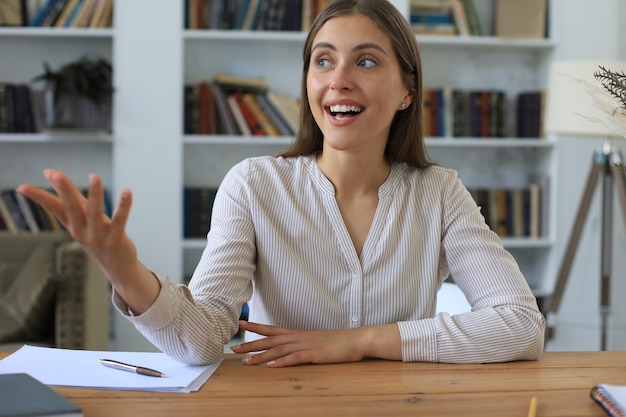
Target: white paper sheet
{"type": "Point", "coordinates": [81, 368]}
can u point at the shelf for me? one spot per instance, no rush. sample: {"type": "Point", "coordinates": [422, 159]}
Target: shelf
{"type": "Point", "coordinates": [48, 33]}
{"type": "Point", "coordinates": [52, 138]}
{"type": "Point", "coordinates": [508, 242]}
{"type": "Point", "coordinates": [237, 140]}
{"type": "Point", "coordinates": [490, 142]}
{"type": "Point", "coordinates": [486, 41]}
{"type": "Point", "coordinates": [299, 37]}
{"type": "Point", "coordinates": [431, 142]}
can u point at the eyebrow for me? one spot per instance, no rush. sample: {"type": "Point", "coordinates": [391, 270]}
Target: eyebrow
{"type": "Point", "coordinates": [359, 47]}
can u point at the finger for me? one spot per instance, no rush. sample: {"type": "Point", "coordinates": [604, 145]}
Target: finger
{"type": "Point", "coordinates": [263, 329]}
{"type": "Point", "coordinates": [95, 199]}
{"type": "Point", "coordinates": [44, 198]}
{"type": "Point", "coordinates": [73, 201]}
{"type": "Point", "coordinates": [277, 353]}
{"type": "Point", "coordinates": [121, 214]}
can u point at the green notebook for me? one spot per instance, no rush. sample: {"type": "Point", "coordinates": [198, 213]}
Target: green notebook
{"type": "Point", "coordinates": [22, 395]}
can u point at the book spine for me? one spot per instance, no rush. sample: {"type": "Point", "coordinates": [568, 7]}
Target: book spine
{"type": "Point", "coordinates": [272, 113]}
{"type": "Point", "coordinates": [226, 120]}
{"type": "Point", "coordinates": [238, 116]}
{"type": "Point", "coordinates": [269, 129]}
{"type": "Point", "coordinates": [473, 21]}
{"type": "Point", "coordinates": [16, 213]}
{"type": "Point", "coordinates": [255, 127]}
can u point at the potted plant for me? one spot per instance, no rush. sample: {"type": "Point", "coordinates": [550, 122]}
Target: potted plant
{"type": "Point", "coordinates": [78, 95]}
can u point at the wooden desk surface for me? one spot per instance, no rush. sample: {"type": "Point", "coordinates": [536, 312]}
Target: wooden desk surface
{"type": "Point", "coordinates": [560, 380]}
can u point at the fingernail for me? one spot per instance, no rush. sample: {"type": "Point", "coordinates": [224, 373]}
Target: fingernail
{"type": "Point", "coordinates": [271, 363]}
{"type": "Point", "coordinates": [246, 360]}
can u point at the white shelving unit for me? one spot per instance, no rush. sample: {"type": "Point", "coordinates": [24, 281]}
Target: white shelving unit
{"type": "Point", "coordinates": [154, 57]}
{"type": "Point", "coordinates": [461, 62]}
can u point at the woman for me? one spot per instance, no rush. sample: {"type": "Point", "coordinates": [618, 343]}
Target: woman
{"type": "Point", "coordinates": [340, 244]}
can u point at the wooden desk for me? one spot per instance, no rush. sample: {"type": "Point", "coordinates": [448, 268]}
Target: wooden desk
{"type": "Point", "coordinates": [561, 381]}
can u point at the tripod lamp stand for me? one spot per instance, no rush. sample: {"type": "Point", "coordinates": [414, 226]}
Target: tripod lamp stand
{"type": "Point", "coordinates": [577, 106]}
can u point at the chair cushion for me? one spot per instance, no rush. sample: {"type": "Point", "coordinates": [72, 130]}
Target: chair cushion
{"type": "Point", "coordinates": [27, 287]}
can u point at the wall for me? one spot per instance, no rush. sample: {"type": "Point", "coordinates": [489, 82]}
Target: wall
{"type": "Point", "coordinates": [588, 30]}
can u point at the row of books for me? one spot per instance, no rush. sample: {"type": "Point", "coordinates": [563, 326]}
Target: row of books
{"type": "Point", "coordinates": [514, 212]}
{"type": "Point", "coordinates": [282, 15]}
{"type": "Point", "coordinates": [16, 109]}
{"type": "Point", "coordinates": [73, 14]}
{"type": "Point", "coordinates": [451, 112]}
{"type": "Point", "coordinates": [19, 214]}
{"type": "Point", "coordinates": [27, 110]}
{"type": "Point", "coordinates": [238, 106]}
{"type": "Point", "coordinates": [510, 212]}
{"type": "Point", "coordinates": [445, 17]}
{"type": "Point", "coordinates": [197, 208]}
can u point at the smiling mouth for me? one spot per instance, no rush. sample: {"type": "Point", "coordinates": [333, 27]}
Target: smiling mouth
{"type": "Point", "coordinates": [341, 111]}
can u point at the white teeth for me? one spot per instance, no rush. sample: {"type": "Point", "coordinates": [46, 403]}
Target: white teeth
{"type": "Point", "coordinates": [345, 109]}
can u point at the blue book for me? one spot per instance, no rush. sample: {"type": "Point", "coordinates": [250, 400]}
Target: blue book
{"type": "Point", "coordinates": [23, 395]}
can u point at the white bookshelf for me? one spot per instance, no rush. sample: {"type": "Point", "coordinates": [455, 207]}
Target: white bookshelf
{"type": "Point", "coordinates": [153, 57]}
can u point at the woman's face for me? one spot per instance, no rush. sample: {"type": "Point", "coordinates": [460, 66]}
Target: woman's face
{"type": "Point", "coordinates": [354, 84]}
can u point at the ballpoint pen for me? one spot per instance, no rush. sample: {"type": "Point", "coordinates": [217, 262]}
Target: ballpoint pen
{"type": "Point", "coordinates": [131, 368]}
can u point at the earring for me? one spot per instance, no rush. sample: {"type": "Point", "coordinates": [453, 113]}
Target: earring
{"type": "Point", "coordinates": [403, 105]}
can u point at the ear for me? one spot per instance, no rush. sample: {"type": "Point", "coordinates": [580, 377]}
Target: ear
{"type": "Point", "coordinates": [406, 101]}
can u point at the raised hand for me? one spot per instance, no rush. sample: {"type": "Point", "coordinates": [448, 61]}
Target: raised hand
{"type": "Point", "coordinates": [103, 238]}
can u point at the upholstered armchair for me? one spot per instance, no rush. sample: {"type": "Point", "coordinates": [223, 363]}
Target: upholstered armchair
{"type": "Point", "coordinates": [51, 294]}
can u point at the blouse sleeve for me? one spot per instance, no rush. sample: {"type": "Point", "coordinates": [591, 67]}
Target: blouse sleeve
{"type": "Point", "coordinates": [192, 324]}
{"type": "Point", "coordinates": [505, 323]}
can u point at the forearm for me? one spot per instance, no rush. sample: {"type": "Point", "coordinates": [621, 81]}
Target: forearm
{"type": "Point", "coordinates": [138, 287]}
{"type": "Point", "coordinates": [382, 341]}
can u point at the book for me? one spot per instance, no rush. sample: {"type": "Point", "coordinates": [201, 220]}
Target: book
{"type": "Point", "coordinates": [530, 110]}
{"type": "Point", "coordinates": [12, 13]}
{"type": "Point", "coordinates": [236, 82]}
{"type": "Point", "coordinates": [611, 397]}
{"type": "Point", "coordinates": [10, 225]}
{"type": "Point", "coordinates": [83, 15]}
{"type": "Point", "coordinates": [473, 20]}
{"type": "Point", "coordinates": [53, 13]}
{"type": "Point", "coordinates": [226, 121]}
{"type": "Point", "coordinates": [10, 200]}
{"type": "Point", "coordinates": [98, 13]}
{"type": "Point", "coordinates": [21, 395]}
{"type": "Point", "coordinates": [25, 208]}
{"type": "Point", "coordinates": [238, 116]}
{"type": "Point", "coordinates": [249, 19]}
{"type": "Point", "coordinates": [520, 19]}
{"type": "Point", "coordinates": [207, 112]}
{"type": "Point", "coordinates": [253, 124]}
{"type": "Point", "coordinates": [274, 116]}
{"type": "Point", "coordinates": [460, 19]}
{"type": "Point", "coordinates": [287, 107]}
{"type": "Point", "coordinates": [263, 120]}
{"type": "Point", "coordinates": [197, 208]}
{"type": "Point", "coordinates": [65, 13]}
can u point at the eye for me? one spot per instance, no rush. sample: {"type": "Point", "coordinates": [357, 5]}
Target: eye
{"type": "Point", "coordinates": [367, 63]}
{"type": "Point", "coordinates": [322, 63]}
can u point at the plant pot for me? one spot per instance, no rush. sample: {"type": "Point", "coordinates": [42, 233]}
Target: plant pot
{"type": "Point", "coordinates": [71, 111]}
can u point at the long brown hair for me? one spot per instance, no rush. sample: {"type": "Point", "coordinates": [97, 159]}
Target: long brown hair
{"type": "Point", "coordinates": [406, 140]}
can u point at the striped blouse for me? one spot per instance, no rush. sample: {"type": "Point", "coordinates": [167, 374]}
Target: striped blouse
{"type": "Point", "coordinates": [278, 241]}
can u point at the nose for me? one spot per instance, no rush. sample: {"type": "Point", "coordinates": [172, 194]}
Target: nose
{"type": "Point", "coordinates": [341, 79]}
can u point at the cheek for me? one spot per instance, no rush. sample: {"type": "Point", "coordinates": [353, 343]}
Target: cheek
{"type": "Point", "coordinates": [314, 94]}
